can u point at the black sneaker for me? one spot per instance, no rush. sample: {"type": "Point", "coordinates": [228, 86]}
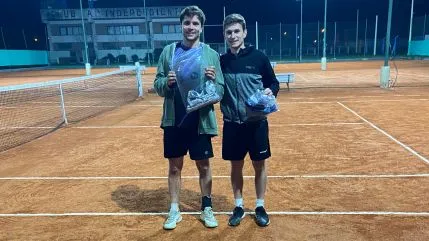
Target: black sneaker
{"type": "Point", "coordinates": [236, 217]}
{"type": "Point", "coordinates": [261, 217]}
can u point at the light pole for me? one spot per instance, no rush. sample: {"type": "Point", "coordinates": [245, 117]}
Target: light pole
{"type": "Point", "coordinates": [324, 38]}
{"type": "Point", "coordinates": [357, 31]}
{"type": "Point", "coordinates": [411, 25]}
{"type": "Point", "coordinates": [300, 34]}
{"type": "Point", "coordinates": [87, 65]}
{"type": "Point", "coordinates": [385, 70]}
{"type": "Point", "coordinates": [224, 15]}
{"type": "Point", "coordinates": [2, 36]}
{"type": "Point", "coordinates": [147, 31]}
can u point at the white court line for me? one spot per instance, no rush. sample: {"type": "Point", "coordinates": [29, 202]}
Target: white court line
{"type": "Point", "coordinates": [319, 124]}
{"type": "Point", "coordinates": [369, 101]}
{"type": "Point", "coordinates": [73, 106]}
{"type": "Point", "coordinates": [116, 106]}
{"type": "Point", "coordinates": [352, 96]}
{"type": "Point", "coordinates": [150, 105]}
{"type": "Point", "coordinates": [280, 213]}
{"type": "Point", "coordinates": [339, 176]}
{"type": "Point", "coordinates": [145, 105]}
{"type": "Point", "coordinates": [387, 134]}
{"type": "Point", "coordinates": [157, 126]}
{"type": "Point", "coordinates": [56, 102]}
{"type": "Point", "coordinates": [27, 127]}
{"type": "Point", "coordinates": [272, 125]}
{"type": "Point", "coordinates": [415, 75]}
{"type": "Point", "coordinates": [305, 79]}
{"type": "Point", "coordinates": [112, 127]}
{"type": "Point", "coordinates": [348, 101]}
{"type": "Point", "coordinates": [306, 102]}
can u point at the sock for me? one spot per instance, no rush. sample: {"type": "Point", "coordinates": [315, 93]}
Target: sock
{"type": "Point", "coordinates": [206, 201]}
{"type": "Point", "coordinates": [174, 207]}
{"type": "Point", "coordinates": [259, 202]}
{"type": "Point", "coordinates": [239, 202]}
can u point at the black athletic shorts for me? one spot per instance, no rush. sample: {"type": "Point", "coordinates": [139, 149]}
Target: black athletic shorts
{"type": "Point", "coordinates": [178, 141]}
{"type": "Point", "coordinates": [252, 137]}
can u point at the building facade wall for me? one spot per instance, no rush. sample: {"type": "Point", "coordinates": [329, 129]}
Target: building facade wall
{"type": "Point", "coordinates": [115, 31]}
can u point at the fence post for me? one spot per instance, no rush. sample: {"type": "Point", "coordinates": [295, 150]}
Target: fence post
{"type": "Point", "coordinates": [139, 79]}
{"type": "Point", "coordinates": [63, 106]}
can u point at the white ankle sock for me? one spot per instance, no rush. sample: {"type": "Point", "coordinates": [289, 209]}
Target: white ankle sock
{"type": "Point", "coordinates": [174, 207]}
{"type": "Point", "coordinates": [239, 202]}
{"type": "Point", "coordinates": [260, 202]}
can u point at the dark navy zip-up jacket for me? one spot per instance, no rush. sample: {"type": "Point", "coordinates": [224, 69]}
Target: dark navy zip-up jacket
{"type": "Point", "coordinates": [245, 73]}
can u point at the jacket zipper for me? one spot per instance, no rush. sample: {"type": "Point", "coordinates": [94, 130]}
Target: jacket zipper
{"type": "Point", "coordinates": [238, 97]}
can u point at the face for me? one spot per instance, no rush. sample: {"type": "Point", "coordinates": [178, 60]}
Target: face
{"type": "Point", "coordinates": [234, 35]}
{"type": "Point", "coordinates": [191, 28]}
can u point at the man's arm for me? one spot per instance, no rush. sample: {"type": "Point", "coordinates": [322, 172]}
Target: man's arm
{"type": "Point", "coordinates": [161, 79]}
{"type": "Point", "coordinates": [219, 81]}
{"type": "Point", "coordinates": [269, 78]}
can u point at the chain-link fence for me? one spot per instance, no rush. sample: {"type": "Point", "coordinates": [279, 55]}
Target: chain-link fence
{"type": "Point", "coordinates": [127, 37]}
{"type": "Point", "coordinates": [420, 28]}
{"type": "Point", "coordinates": [22, 38]}
{"type": "Point", "coordinates": [344, 40]}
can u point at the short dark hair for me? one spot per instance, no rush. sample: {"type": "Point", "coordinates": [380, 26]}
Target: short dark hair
{"type": "Point", "coordinates": [234, 18]}
{"type": "Point", "coordinates": [191, 11]}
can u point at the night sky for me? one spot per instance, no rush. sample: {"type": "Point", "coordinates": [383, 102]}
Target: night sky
{"type": "Point", "coordinates": [24, 14]}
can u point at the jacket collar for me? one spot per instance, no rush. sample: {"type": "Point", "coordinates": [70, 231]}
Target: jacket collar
{"type": "Point", "coordinates": [246, 50]}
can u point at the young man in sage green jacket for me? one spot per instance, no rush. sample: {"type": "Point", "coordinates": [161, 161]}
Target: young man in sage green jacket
{"type": "Point", "coordinates": [193, 131]}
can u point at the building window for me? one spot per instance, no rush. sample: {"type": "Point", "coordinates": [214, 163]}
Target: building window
{"type": "Point", "coordinates": [164, 28]}
{"type": "Point", "coordinates": [129, 30]}
{"type": "Point", "coordinates": [171, 28]}
{"type": "Point", "coordinates": [178, 28]}
{"type": "Point", "coordinates": [77, 31]}
{"type": "Point", "coordinates": [123, 30]}
{"type": "Point", "coordinates": [117, 30]}
{"type": "Point", "coordinates": [63, 31]}
{"type": "Point", "coordinates": [111, 30]}
{"type": "Point", "coordinates": [70, 31]}
{"type": "Point", "coordinates": [136, 30]}
{"type": "Point", "coordinates": [63, 46]}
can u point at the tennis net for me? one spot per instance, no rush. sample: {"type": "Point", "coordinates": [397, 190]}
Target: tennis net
{"type": "Point", "coordinates": [30, 111]}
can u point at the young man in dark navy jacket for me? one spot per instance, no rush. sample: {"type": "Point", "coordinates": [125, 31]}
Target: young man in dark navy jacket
{"type": "Point", "coordinates": [246, 70]}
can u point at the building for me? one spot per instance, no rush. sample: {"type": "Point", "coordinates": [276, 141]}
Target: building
{"type": "Point", "coordinates": [110, 31]}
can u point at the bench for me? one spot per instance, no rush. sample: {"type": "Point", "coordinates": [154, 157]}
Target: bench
{"type": "Point", "coordinates": [126, 67]}
{"type": "Point", "coordinates": [286, 78]}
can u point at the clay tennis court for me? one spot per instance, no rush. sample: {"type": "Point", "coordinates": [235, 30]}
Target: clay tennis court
{"type": "Point", "coordinates": [350, 162]}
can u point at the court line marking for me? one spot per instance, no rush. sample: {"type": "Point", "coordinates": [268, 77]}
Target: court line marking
{"type": "Point", "coordinates": [415, 75]}
{"type": "Point", "coordinates": [299, 75]}
{"type": "Point", "coordinates": [112, 127]}
{"type": "Point", "coordinates": [157, 126]}
{"type": "Point", "coordinates": [369, 101]}
{"type": "Point", "coordinates": [151, 105]}
{"type": "Point", "coordinates": [285, 213]}
{"type": "Point", "coordinates": [387, 134]}
{"type": "Point", "coordinates": [72, 106]}
{"type": "Point", "coordinates": [348, 101]}
{"type": "Point", "coordinates": [354, 96]}
{"type": "Point", "coordinates": [339, 176]}
{"type": "Point", "coordinates": [58, 102]}
{"type": "Point", "coordinates": [27, 127]}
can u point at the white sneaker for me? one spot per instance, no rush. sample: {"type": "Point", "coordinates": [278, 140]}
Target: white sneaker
{"type": "Point", "coordinates": [173, 218]}
{"type": "Point", "coordinates": [208, 218]}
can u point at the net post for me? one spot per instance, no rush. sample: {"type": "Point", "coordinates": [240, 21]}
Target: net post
{"type": "Point", "coordinates": [63, 107]}
{"type": "Point", "coordinates": [139, 79]}
{"type": "Point", "coordinates": [88, 68]}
